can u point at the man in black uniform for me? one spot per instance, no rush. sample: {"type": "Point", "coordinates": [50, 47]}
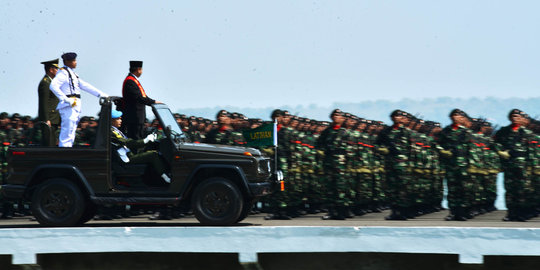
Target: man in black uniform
{"type": "Point", "coordinates": [47, 100]}
{"type": "Point", "coordinates": [134, 102]}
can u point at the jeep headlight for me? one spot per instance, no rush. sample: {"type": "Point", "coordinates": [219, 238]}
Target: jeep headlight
{"type": "Point", "coordinates": [264, 166]}
{"type": "Point", "coordinates": [279, 175]}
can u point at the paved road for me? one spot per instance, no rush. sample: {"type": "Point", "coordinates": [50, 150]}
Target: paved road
{"type": "Point", "coordinates": [493, 219]}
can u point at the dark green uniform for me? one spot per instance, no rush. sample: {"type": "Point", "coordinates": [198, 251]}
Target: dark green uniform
{"type": "Point", "coordinates": [119, 140]}
{"type": "Point", "coordinates": [397, 139]}
{"type": "Point", "coordinates": [47, 109]}
{"type": "Point", "coordinates": [332, 143]}
{"type": "Point", "coordinates": [457, 139]}
{"type": "Point", "coordinates": [519, 169]}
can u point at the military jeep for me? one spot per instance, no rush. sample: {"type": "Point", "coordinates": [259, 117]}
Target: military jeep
{"type": "Point", "coordinates": [65, 186]}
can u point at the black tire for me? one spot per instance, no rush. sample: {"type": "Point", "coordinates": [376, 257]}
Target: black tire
{"type": "Point", "coordinates": [248, 205]}
{"type": "Point", "coordinates": [89, 213]}
{"type": "Point", "coordinates": [58, 202]}
{"type": "Point", "coordinates": [217, 201]}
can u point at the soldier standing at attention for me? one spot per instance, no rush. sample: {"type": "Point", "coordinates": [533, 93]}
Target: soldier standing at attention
{"type": "Point", "coordinates": [332, 143]}
{"type": "Point", "coordinates": [223, 134]}
{"type": "Point", "coordinates": [395, 143]}
{"type": "Point", "coordinates": [67, 87]}
{"type": "Point", "coordinates": [515, 140]}
{"type": "Point", "coordinates": [47, 100]}
{"type": "Point", "coordinates": [457, 138]}
{"type": "Point", "coordinates": [135, 100]}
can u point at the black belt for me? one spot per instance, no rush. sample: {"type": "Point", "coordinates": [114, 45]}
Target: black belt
{"type": "Point", "coordinates": [77, 96]}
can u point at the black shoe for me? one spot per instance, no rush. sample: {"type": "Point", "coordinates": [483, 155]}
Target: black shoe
{"type": "Point", "coordinates": [103, 217]}
{"type": "Point", "coordinates": [333, 217]}
{"type": "Point", "coordinates": [160, 216]}
{"type": "Point", "coordinates": [359, 212]}
{"type": "Point", "coordinates": [459, 218]}
{"type": "Point", "coordinates": [395, 217]}
{"type": "Point", "coordinates": [277, 216]}
{"type": "Point", "coordinates": [514, 218]}
{"type": "Point", "coordinates": [6, 216]}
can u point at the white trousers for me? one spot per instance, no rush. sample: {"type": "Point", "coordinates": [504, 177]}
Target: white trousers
{"type": "Point", "coordinates": [70, 119]}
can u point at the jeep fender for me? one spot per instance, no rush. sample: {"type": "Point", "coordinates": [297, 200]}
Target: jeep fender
{"type": "Point", "coordinates": [59, 170]}
{"type": "Point", "coordinates": [191, 180]}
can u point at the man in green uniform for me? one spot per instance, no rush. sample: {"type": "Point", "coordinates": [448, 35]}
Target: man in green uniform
{"type": "Point", "coordinates": [333, 144]}
{"type": "Point", "coordinates": [224, 133]}
{"type": "Point", "coordinates": [395, 142]}
{"type": "Point", "coordinates": [48, 101]}
{"type": "Point", "coordinates": [457, 139]}
{"type": "Point", "coordinates": [123, 146]}
{"type": "Point", "coordinates": [278, 201]}
{"type": "Point", "coordinates": [516, 159]}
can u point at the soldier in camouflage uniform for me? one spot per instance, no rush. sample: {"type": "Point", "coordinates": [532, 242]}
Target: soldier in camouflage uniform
{"type": "Point", "coordinates": [295, 159]}
{"type": "Point", "coordinates": [279, 199]}
{"type": "Point", "coordinates": [395, 142]}
{"type": "Point", "coordinates": [6, 207]}
{"type": "Point", "coordinates": [224, 133]}
{"type": "Point", "coordinates": [315, 190]}
{"type": "Point", "coordinates": [363, 168]}
{"type": "Point", "coordinates": [456, 138]}
{"type": "Point", "coordinates": [380, 200]}
{"type": "Point", "coordinates": [436, 195]}
{"type": "Point", "coordinates": [519, 164]}
{"type": "Point", "coordinates": [332, 144]}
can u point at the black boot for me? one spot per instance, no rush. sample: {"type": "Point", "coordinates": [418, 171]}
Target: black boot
{"type": "Point", "coordinates": [397, 214]}
{"type": "Point", "coordinates": [337, 213]}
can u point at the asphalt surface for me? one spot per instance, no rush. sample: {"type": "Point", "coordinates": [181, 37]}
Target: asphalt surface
{"type": "Point", "coordinates": [493, 219]}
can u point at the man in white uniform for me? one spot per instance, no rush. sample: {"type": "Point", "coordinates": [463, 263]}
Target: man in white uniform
{"type": "Point", "coordinates": [67, 87]}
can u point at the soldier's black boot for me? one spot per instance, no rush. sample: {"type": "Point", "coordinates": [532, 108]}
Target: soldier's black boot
{"type": "Point", "coordinates": [331, 213]}
{"type": "Point", "coordinates": [468, 213]}
{"type": "Point", "coordinates": [514, 214]}
{"type": "Point", "coordinates": [348, 212]}
{"type": "Point", "coordinates": [278, 215]}
{"type": "Point", "coordinates": [342, 213]}
{"type": "Point", "coordinates": [315, 208]}
{"type": "Point", "coordinates": [457, 214]}
{"type": "Point", "coordinates": [7, 211]}
{"type": "Point", "coordinates": [337, 213]}
{"type": "Point", "coordinates": [359, 210]}
{"type": "Point", "coordinates": [396, 214]}
{"type": "Point", "coordinates": [460, 214]}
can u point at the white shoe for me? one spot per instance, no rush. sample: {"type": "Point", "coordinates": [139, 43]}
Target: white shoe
{"type": "Point", "coordinates": [166, 178]}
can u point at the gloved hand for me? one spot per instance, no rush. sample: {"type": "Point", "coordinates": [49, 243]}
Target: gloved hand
{"type": "Point", "coordinates": [72, 101]}
{"type": "Point", "coordinates": [446, 153]}
{"type": "Point", "coordinates": [268, 151]}
{"type": "Point", "coordinates": [150, 138]}
{"type": "Point", "coordinates": [504, 154]}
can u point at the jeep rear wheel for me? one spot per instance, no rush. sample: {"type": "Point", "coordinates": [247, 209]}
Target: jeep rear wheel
{"type": "Point", "coordinates": [217, 201]}
{"type": "Point", "coordinates": [58, 202]}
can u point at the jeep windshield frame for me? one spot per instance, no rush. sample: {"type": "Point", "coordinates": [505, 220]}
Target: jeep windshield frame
{"type": "Point", "coordinates": [169, 124]}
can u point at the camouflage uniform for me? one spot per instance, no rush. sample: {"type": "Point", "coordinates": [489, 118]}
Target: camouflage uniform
{"type": "Point", "coordinates": [396, 139]}
{"type": "Point", "coordinates": [332, 143]}
{"type": "Point", "coordinates": [457, 138]}
{"type": "Point", "coordinates": [519, 169]}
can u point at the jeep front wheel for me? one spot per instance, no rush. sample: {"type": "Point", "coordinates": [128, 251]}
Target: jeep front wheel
{"type": "Point", "coordinates": [217, 201]}
{"type": "Point", "coordinates": [58, 202]}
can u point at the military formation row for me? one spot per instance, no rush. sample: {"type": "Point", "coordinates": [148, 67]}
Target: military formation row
{"type": "Point", "coordinates": [351, 166]}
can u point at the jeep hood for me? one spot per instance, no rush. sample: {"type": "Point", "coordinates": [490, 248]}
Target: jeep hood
{"type": "Point", "coordinates": [216, 148]}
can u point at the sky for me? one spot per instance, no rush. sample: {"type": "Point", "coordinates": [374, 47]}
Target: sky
{"type": "Point", "coordinates": [272, 53]}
